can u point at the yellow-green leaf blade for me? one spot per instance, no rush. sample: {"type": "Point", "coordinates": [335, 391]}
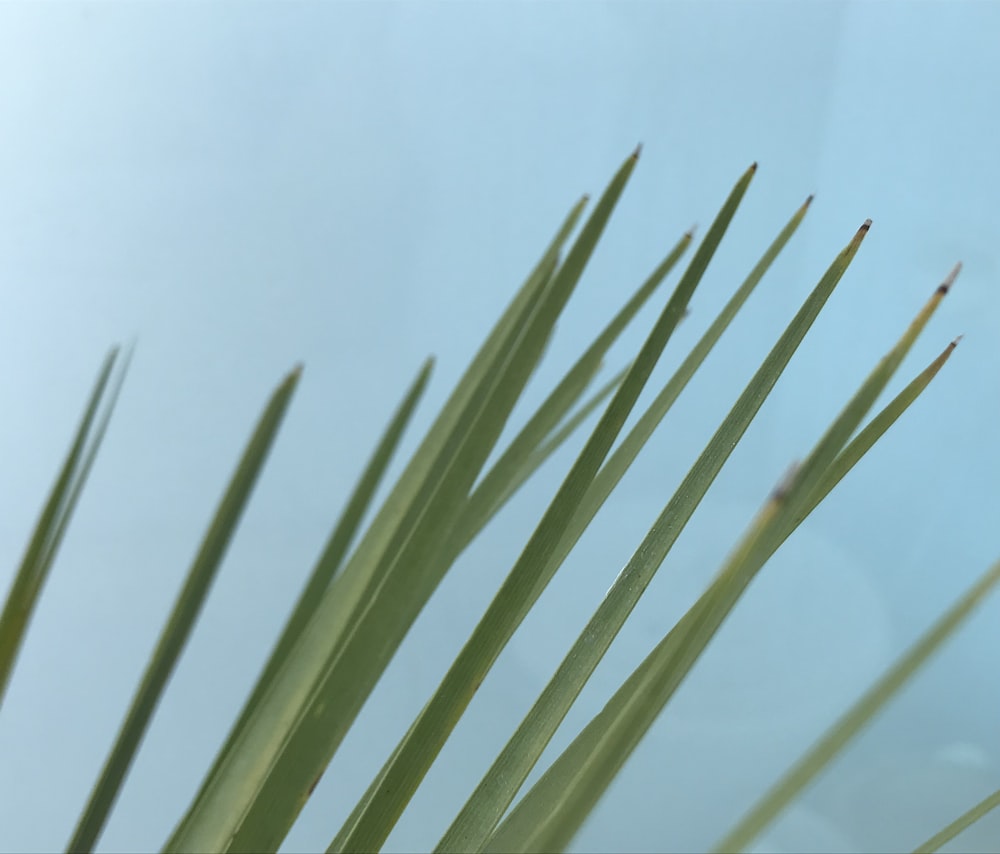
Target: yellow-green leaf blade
{"type": "Point", "coordinates": [964, 821]}
{"type": "Point", "coordinates": [803, 772]}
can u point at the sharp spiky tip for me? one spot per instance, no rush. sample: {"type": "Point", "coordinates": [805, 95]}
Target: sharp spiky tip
{"type": "Point", "coordinates": [809, 200]}
{"type": "Point", "coordinates": [954, 343]}
{"type": "Point", "coordinates": [867, 224]}
{"type": "Point", "coordinates": [689, 234]}
{"type": "Point", "coordinates": [637, 152]}
{"type": "Point", "coordinates": [753, 167]}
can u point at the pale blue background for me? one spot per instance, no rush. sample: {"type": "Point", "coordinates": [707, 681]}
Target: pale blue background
{"type": "Point", "coordinates": [243, 186]}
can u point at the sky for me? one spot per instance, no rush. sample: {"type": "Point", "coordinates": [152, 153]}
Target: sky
{"type": "Point", "coordinates": [242, 187]}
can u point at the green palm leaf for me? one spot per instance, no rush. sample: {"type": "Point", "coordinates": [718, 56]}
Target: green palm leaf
{"type": "Point", "coordinates": [372, 579]}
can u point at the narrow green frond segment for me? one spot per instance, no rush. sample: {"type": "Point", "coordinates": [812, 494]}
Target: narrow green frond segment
{"type": "Point", "coordinates": [874, 430]}
{"type": "Point", "coordinates": [851, 723]}
{"type": "Point", "coordinates": [54, 519]}
{"type": "Point", "coordinates": [335, 550]}
{"type": "Point", "coordinates": [511, 467]}
{"type": "Point", "coordinates": [182, 619]}
{"type": "Point", "coordinates": [385, 800]}
{"type": "Point", "coordinates": [963, 822]}
{"type": "Point", "coordinates": [555, 808]}
{"type": "Point", "coordinates": [255, 796]}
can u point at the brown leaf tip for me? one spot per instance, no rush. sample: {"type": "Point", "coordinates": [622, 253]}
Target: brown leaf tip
{"type": "Point", "coordinates": [637, 152]}
{"type": "Point", "coordinates": [945, 286]}
{"type": "Point", "coordinates": [781, 491]}
{"type": "Point", "coordinates": [809, 200]}
{"type": "Point", "coordinates": [954, 343]}
{"type": "Point", "coordinates": [753, 166]}
{"type": "Point", "coordinates": [689, 234]}
{"type": "Point", "coordinates": [867, 224]}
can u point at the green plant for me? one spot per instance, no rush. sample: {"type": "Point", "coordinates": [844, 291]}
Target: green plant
{"type": "Point", "coordinates": [370, 582]}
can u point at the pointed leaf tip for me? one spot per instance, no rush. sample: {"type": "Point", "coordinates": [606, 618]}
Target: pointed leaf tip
{"type": "Point", "coordinates": [637, 152]}
{"type": "Point", "coordinates": [949, 280]}
{"type": "Point", "coordinates": [753, 166]}
{"type": "Point", "coordinates": [954, 343]}
{"type": "Point", "coordinates": [867, 224]}
{"type": "Point", "coordinates": [809, 200]}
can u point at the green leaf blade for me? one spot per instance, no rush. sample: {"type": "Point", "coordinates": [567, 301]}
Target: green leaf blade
{"type": "Point", "coordinates": [552, 812]}
{"type": "Point", "coordinates": [175, 634]}
{"type": "Point", "coordinates": [854, 720]}
{"type": "Point", "coordinates": [252, 803]}
{"type": "Point", "coordinates": [32, 573]}
{"type": "Point", "coordinates": [383, 803]}
{"type": "Point", "coordinates": [963, 822]}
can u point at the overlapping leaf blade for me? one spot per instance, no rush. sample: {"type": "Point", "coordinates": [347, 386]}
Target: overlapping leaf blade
{"type": "Point", "coordinates": [521, 457]}
{"type": "Point", "coordinates": [851, 723]}
{"type": "Point", "coordinates": [366, 566]}
{"type": "Point", "coordinates": [499, 786]}
{"type": "Point", "coordinates": [335, 550]}
{"type": "Point", "coordinates": [254, 797]}
{"type": "Point", "coordinates": [380, 807]}
{"type": "Point", "coordinates": [551, 813]}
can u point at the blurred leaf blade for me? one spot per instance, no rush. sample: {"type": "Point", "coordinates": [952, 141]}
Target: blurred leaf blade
{"type": "Point", "coordinates": [336, 548]}
{"type": "Point", "coordinates": [188, 605]}
{"type": "Point", "coordinates": [851, 723]}
{"type": "Point", "coordinates": [960, 824]}
{"type": "Point", "coordinates": [52, 523]}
